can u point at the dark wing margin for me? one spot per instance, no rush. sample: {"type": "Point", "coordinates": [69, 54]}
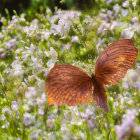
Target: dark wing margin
{"type": "Point", "coordinates": [67, 84]}
{"type": "Point", "coordinates": [115, 60]}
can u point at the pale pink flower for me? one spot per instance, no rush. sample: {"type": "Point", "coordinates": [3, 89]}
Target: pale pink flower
{"type": "Point", "coordinates": [127, 33]}
{"type": "Point", "coordinates": [128, 123]}
{"type": "Point", "coordinates": [28, 118]}
{"type": "Point", "coordinates": [134, 4]}
{"type": "Point", "coordinates": [125, 4]}
{"type": "Point", "coordinates": [68, 46]}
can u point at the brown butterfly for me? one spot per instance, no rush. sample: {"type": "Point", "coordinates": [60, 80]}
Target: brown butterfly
{"type": "Point", "coordinates": [67, 84]}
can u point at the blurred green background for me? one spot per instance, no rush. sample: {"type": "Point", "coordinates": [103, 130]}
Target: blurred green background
{"type": "Point", "coordinates": [22, 5]}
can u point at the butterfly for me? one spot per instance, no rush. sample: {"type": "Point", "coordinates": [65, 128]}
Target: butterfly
{"type": "Point", "coordinates": [67, 84]}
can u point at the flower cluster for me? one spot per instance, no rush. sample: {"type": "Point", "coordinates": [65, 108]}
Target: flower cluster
{"type": "Point", "coordinates": [127, 126]}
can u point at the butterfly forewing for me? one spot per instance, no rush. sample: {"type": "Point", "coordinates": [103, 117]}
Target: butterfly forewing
{"type": "Point", "coordinates": [67, 84]}
{"type": "Point", "coordinates": [115, 60]}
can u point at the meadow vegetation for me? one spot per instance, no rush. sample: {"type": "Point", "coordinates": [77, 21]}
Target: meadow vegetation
{"type": "Point", "coordinates": [31, 44]}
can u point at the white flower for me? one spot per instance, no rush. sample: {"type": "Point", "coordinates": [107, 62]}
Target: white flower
{"type": "Point", "coordinates": [14, 105]}
{"type": "Point", "coordinates": [82, 135]}
{"type": "Point", "coordinates": [1, 36]}
{"type": "Point", "coordinates": [41, 112]}
{"type": "Point", "coordinates": [65, 19]}
{"type": "Point", "coordinates": [132, 79]}
{"type": "Point", "coordinates": [53, 53]}
{"type": "Point", "coordinates": [28, 119]}
{"type": "Point", "coordinates": [45, 74]}
{"type": "Point", "coordinates": [51, 62]}
{"type": "Point", "coordinates": [31, 103]}
{"type": "Point", "coordinates": [22, 18]}
{"type": "Point", "coordinates": [137, 86]}
{"type": "Point", "coordinates": [30, 93]}
{"type": "Point", "coordinates": [109, 1]}
{"type": "Point", "coordinates": [134, 4]}
{"type": "Point", "coordinates": [135, 20]}
{"type": "Point", "coordinates": [46, 53]}
{"type": "Point", "coordinates": [113, 25]}
{"type": "Point", "coordinates": [32, 29]}
{"type": "Point", "coordinates": [116, 8]}
{"type": "Point", "coordinates": [127, 33]}
{"type": "Point", "coordinates": [27, 30]}
{"type": "Point", "coordinates": [46, 35]}
{"type": "Point", "coordinates": [32, 47]}
{"type": "Point", "coordinates": [88, 20]}
{"type": "Point", "coordinates": [89, 113]}
{"type": "Point", "coordinates": [3, 55]}
{"type": "Point", "coordinates": [5, 125]}
{"type": "Point", "coordinates": [35, 134]}
{"type": "Point", "coordinates": [1, 50]}
{"type": "Point", "coordinates": [103, 16]}
{"type": "Point", "coordinates": [2, 80]}
{"type": "Point", "coordinates": [137, 131]}
{"type": "Point", "coordinates": [75, 39]}
{"type": "Point", "coordinates": [68, 46]}
{"type": "Point", "coordinates": [3, 117]}
{"type": "Point", "coordinates": [109, 13]}
{"type": "Point", "coordinates": [39, 101]}
{"type": "Point", "coordinates": [104, 26]}
{"type": "Point", "coordinates": [37, 63]}
{"type": "Point", "coordinates": [61, 22]}
{"type": "Point", "coordinates": [32, 78]}
{"type": "Point", "coordinates": [126, 128]}
{"type": "Point", "coordinates": [124, 12]}
{"type": "Point", "coordinates": [77, 122]}
{"type": "Point", "coordinates": [64, 128]}
{"type": "Point", "coordinates": [11, 43]}
{"type": "Point", "coordinates": [50, 122]}
{"type": "Point", "coordinates": [100, 42]}
{"type": "Point", "coordinates": [17, 68]}
{"type": "Point", "coordinates": [56, 29]}
{"type": "Point", "coordinates": [3, 19]}
{"type": "Point", "coordinates": [125, 4]}
{"type": "Point", "coordinates": [115, 104]}
{"type": "Point", "coordinates": [42, 100]}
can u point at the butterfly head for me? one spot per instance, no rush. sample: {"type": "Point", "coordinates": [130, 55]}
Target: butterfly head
{"type": "Point", "coordinates": [93, 78]}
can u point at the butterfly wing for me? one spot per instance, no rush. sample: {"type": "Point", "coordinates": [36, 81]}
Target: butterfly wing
{"type": "Point", "coordinates": [99, 96]}
{"type": "Point", "coordinates": [67, 84]}
{"type": "Point", "coordinates": [111, 66]}
{"type": "Point", "coordinates": [115, 60]}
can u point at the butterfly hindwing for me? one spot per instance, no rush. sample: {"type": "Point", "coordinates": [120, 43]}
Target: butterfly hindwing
{"type": "Point", "coordinates": [67, 84]}
{"type": "Point", "coordinates": [99, 94]}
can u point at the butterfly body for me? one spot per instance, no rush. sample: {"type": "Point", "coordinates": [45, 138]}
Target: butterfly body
{"type": "Point", "coordinates": [67, 84]}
